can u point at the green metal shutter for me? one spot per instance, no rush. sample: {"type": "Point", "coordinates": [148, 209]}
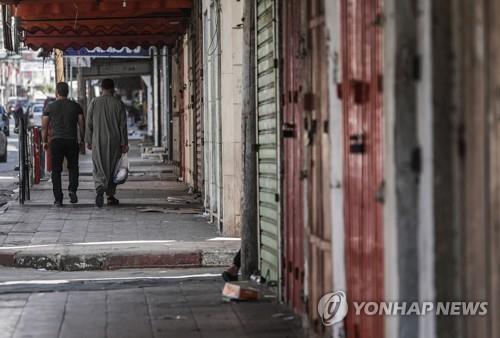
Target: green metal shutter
{"type": "Point", "coordinates": [268, 140]}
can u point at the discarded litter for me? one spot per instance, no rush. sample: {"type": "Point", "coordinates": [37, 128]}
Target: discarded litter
{"type": "Point", "coordinates": [289, 318]}
{"type": "Point", "coordinates": [278, 315]}
{"type": "Point", "coordinates": [169, 210]}
{"type": "Point", "coordinates": [235, 291]}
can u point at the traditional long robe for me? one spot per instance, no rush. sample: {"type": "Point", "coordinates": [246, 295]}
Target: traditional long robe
{"type": "Point", "coordinates": [107, 132]}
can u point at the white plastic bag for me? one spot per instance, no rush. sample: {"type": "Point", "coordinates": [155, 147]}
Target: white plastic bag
{"type": "Point", "coordinates": [121, 170]}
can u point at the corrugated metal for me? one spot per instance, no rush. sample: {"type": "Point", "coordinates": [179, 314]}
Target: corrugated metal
{"type": "Point", "coordinates": [182, 124]}
{"type": "Point", "coordinates": [361, 94]}
{"type": "Point", "coordinates": [293, 147]}
{"type": "Point", "coordinates": [197, 44]}
{"type": "Point", "coordinates": [176, 107]}
{"type": "Point", "coordinates": [268, 122]}
{"type": "Point", "coordinates": [318, 225]}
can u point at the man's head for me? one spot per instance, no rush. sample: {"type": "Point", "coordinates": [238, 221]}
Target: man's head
{"type": "Point", "coordinates": [107, 85]}
{"type": "Point", "coordinates": [62, 90]}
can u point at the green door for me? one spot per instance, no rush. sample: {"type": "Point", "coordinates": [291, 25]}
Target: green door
{"type": "Point", "coordinates": [268, 140]}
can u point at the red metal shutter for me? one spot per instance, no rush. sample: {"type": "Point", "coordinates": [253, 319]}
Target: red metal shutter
{"type": "Point", "coordinates": [196, 42]}
{"type": "Point", "coordinates": [318, 225]}
{"type": "Point", "coordinates": [361, 95]}
{"type": "Point", "coordinates": [182, 117]}
{"type": "Point", "coordinates": [292, 132]}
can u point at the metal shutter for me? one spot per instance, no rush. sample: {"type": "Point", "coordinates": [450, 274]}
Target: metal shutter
{"type": "Point", "coordinates": [268, 139]}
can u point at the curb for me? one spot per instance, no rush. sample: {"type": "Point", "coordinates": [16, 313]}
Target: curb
{"type": "Point", "coordinates": [65, 260]}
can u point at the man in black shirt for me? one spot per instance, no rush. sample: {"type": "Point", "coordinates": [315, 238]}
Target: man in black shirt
{"type": "Point", "coordinates": [64, 116]}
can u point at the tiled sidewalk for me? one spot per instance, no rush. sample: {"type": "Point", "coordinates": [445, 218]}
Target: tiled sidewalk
{"type": "Point", "coordinates": [154, 206]}
{"type": "Point", "coordinates": [190, 308]}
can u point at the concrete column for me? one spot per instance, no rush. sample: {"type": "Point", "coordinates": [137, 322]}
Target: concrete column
{"type": "Point", "coordinates": [59, 65]}
{"type": "Point", "coordinates": [402, 163]}
{"type": "Point", "coordinates": [156, 99]}
{"type": "Point", "coordinates": [333, 25]}
{"type": "Point", "coordinates": [249, 224]}
{"type": "Point", "coordinates": [166, 113]}
{"type": "Point", "coordinates": [229, 101]}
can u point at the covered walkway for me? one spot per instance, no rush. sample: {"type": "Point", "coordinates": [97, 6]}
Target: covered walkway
{"type": "Point", "coordinates": [159, 223]}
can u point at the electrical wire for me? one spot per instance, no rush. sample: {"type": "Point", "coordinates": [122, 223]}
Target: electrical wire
{"type": "Point", "coordinates": [218, 11]}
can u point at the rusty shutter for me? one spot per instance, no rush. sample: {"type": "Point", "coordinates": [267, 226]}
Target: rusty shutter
{"type": "Point", "coordinates": [268, 137]}
{"type": "Point", "coordinates": [318, 225]}
{"type": "Point", "coordinates": [198, 97]}
{"type": "Point", "coordinates": [361, 95]}
{"type": "Point", "coordinates": [292, 140]}
{"type": "Point", "coordinates": [182, 113]}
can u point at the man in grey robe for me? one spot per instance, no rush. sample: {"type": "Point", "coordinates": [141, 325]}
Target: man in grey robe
{"type": "Point", "coordinates": [107, 137]}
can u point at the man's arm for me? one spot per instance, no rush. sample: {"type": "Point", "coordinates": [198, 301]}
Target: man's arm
{"type": "Point", "coordinates": [45, 127]}
{"type": "Point", "coordinates": [81, 124]}
{"type": "Point", "coordinates": [89, 127]}
{"type": "Point", "coordinates": [123, 129]}
{"type": "Point", "coordinates": [45, 131]}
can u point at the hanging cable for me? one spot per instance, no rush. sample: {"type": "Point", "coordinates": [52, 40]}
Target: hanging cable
{"type": "Point", "coordinates": [218, 11]}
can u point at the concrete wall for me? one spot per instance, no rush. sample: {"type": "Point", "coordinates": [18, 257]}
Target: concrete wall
{"type": "Point", "coordinates": [188, 141]}
{"type": "Point", "coordinates": [212, 97]}
{"type": "Point", "coordinates": [427, 324]}
{"type": "Point", "coordinates": [231, 76]}
{"type": "Point", "coordinates": [402, 160]}
{"type": "Point", "coordinates": [223, 43]}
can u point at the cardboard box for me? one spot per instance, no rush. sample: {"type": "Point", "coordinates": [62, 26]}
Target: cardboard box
{"type": "Point", "coordinates": [235, 291]}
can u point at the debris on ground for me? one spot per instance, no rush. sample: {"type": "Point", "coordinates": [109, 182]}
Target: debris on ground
{"type": "Point", "coordinates": [175, 210]}
{"type": "Point", "coordinates": [242, 291]}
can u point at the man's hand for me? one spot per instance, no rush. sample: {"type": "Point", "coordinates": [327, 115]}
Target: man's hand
{"type": "Point", "coordinates": [125, 149]}
{"type": "Point", "coordinates": [45, 146]}
{"type": "Point", "coordinates": [89, 146]}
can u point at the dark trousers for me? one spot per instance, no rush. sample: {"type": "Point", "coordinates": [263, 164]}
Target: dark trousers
{"type": "Point", "coordinates": [237, 259]}
{"type": "Point", "coordinates": [60, 149]}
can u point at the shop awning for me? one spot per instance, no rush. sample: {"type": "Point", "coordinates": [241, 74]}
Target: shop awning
{"type": "Point", "coordinates": [96, 23]}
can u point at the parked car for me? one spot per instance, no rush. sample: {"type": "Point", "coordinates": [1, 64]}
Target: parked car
{"type": "Point", "coordinates": [4, 121]}
{"type": "Point", "coordinates": [3, 147]}
{"type": "Point", "coordinates": [35, 112]}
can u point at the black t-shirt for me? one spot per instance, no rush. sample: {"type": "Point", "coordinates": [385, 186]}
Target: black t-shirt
{"type": "Point", "coordinates": [63, 116]}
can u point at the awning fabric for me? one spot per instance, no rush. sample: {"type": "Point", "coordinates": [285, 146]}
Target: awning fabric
{"type": "Point", "coordinates": [76, 24]}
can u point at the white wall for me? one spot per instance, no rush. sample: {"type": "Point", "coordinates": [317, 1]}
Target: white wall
{"type": "Point", "coordinates": [391, 273]}
{"type": "Point", "coordinates": [147, 82]}
{"type": "Point", "coordinates": [223, 43]}
{"type": "Point", "coordinates": [231, 76]}
{"type": "Point", "coordinates": [332, 9]}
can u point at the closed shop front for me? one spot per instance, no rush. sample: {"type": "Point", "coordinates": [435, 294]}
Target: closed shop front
{"type": "Point", "coordinates": [268, 140]}
{"type": "Point", "coordinates": [293, 147]}
{"type": "Point", "coordinates": [318, 233]}
{"type": "Point", "coordinates": [361, 95]}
